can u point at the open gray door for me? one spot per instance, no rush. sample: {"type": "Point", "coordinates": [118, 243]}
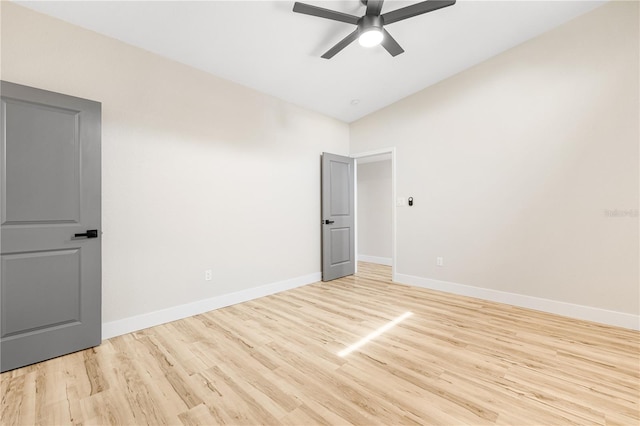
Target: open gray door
{"type": "Point", "coordinates": [50, 288]}
{"type": "Point", "coordinates": [338, 245]}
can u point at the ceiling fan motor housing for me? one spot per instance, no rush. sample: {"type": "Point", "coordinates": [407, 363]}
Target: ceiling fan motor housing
{"type": "Point", "coordinates": [368, 21]}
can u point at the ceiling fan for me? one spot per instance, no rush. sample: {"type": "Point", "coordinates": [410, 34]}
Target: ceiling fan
{"type": "Point", "coordinates": [370, 31]}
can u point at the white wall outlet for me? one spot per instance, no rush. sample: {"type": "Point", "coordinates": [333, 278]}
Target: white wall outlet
{"type": "Point", "coordinates": [439, 261]}
{"type": "Point", "coordinates": [208, 275]}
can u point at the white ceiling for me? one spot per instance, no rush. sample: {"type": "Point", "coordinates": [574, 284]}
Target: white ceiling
{"type": "Point", "coordinates": [265, 46]}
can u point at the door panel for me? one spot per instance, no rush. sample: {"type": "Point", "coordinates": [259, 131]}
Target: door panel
{"type": "Point", "coordinates": [40, 290]}
{"type": "Point", "coordinates": [338, 246]}
{"type": "Point", "coordinates": [50, 293]}
{"type": "Point", "coordinates": [48, 137]}
{"type": "Point", "coordinates": [339, 178]}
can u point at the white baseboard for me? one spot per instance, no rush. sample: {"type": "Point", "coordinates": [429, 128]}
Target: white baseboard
{"type": "Point", "coordinates": [603, 316]}
{"type": "Point", "coordinates": [375, 259]}
{"type": "Point", "coordinates": [139, 322]}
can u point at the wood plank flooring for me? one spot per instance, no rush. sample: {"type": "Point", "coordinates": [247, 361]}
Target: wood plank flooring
{"type": "Point", "coordinates": [455, 360]}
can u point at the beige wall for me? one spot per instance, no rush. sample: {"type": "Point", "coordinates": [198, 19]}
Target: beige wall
{"type": "Point", "coordinates": [514, 163]}
{"type": "Point", "coordinates": [374, 209]}
{"type": "Point", "coordinates": [197, 171]}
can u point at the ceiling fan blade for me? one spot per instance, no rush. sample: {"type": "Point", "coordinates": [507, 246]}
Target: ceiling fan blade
{"type": "Point", "coordinates": [321, 12]}
{"type": "Point", "coordinates": [374, 7]}
{"type": "Point", "coordinates": [390, 44]}
{"type": "Point", "coordinates": [415, 10]}
{"type": "Point", "coordinates": [341, 45]}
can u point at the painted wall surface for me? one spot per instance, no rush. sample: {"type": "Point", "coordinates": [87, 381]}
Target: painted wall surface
{"type": "Point", "coordinates": [198, 172]}
{"type": "Point", "coordinates": [525, 168]}
{"type": "Point", "coordinates": [374, 209]}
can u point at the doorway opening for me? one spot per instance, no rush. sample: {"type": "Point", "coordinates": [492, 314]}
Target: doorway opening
{"type": "Point", "coordinates": [375, 212]}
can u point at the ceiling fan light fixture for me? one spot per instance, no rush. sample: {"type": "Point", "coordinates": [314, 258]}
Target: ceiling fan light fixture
{"type": "Point", "coordinates": [370, 37]}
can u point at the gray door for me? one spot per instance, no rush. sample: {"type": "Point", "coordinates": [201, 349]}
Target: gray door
{"type": "Point", "coordinates": [50, 288]}
{"type": "Point", "coordinates": [338, 245]}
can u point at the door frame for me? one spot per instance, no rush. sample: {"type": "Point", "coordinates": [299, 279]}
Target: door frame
{"type": "Point", "coordinates": [382, 151]}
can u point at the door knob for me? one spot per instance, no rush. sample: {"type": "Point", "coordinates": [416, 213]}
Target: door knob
{"type": "Point", "coordinates": [91, 233]}
{"type": "Point", "coordinates": [329, 222]}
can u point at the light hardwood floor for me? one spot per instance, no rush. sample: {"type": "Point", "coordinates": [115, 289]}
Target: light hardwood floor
{"type": "Point", "coordinates": [455, 360]}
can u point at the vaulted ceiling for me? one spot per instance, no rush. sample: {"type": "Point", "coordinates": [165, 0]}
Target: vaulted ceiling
{"type": "Point", "coordinates": [265, 46]}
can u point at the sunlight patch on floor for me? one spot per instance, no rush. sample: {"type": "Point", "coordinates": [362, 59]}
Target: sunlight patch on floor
{"type": "Point", "coordinates": [374, 334]}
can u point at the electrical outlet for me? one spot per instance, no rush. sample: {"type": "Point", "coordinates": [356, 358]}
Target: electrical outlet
{"type": "Point", "coordinates": [208, 275]}
{"type": "Point", "coordinates": [439, 261]}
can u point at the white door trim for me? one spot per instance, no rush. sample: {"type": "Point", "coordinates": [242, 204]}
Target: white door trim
{"type": "Point", "coordinates": [383, 151]}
